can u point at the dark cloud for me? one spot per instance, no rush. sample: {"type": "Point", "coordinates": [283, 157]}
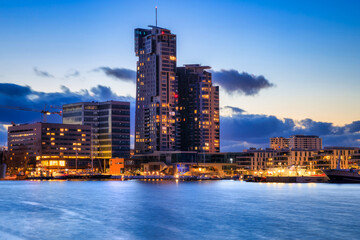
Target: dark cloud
{"type": "Point", "coordinates": [123, 74]}
{"type": "Point", "coordinates": [24, 96]}
{"type": "Point", "coordinates": [240, 130]}
{"type": "Point", "coordinates": [10, 89]}
{"type": "Point", "coordinates": [244, 83]}
{"type": "Point", "coordinates": [104, 92]}
{"type": "Point", "coordinates": [42, 73]}
{"type": "Point", "coordinates": [72, 73]}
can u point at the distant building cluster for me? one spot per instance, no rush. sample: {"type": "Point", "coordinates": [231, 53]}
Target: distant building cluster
{"type": "Point", "coordinates": [91, 134]}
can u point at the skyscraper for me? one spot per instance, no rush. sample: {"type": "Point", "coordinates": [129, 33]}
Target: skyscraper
{"type": "Point", "coordinates": [199, 109]}
{"type": "Point", "coordinates": [156, 90]}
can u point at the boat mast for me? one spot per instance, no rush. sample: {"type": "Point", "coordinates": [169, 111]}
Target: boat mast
{"type": "Point", "coordinates": [339, 160]}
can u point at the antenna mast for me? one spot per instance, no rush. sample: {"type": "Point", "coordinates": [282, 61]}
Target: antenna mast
{"type": "Point", "coordinates": [156, 16]}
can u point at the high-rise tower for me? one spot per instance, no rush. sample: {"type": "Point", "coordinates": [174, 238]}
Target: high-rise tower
{"type": "Point", "coordinates": [198, 109]}
{"type": "Point", "coordinates": [156, 90]}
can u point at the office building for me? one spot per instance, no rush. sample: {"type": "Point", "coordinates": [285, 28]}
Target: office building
{"type": "Point", "coordinates": [110, 122]}
{"type": "Point", "coordinates": [198, 109]}
{"type": "Point", "coordinates": [48, 145]}
{"type": "Point", "coordinates": [156, 90]}
{"type": "Point", "coordinates": [305, 142]}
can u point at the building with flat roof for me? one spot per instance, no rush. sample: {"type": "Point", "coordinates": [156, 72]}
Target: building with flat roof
{"type": "Point", "coordinates": [308, 142]}
{"type": "Point", "coordinates": [198, 109]}
{"type": "Point", "coordinates": [110, 123]}
{"type": "Point", "coordinates": [48, 145]}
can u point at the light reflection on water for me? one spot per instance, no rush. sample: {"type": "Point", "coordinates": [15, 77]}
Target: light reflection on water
{"type": "Point", "coordinates": [177, 210]}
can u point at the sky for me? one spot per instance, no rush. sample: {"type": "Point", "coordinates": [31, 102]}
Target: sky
{"type": "Point", "coordinates": [284, 67]}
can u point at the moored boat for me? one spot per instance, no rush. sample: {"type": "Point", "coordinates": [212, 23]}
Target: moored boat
{"type": "Point", "coordinates": [60, 175]}
{"type": "Point", "coordinates": [343, 175]}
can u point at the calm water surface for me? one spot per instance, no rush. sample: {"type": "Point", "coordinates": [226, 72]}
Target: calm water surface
{"type": "Point", "coordinates": [184, 210]}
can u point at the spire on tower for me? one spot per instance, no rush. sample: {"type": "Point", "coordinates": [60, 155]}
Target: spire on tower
{"type": "Point", "coordinates": [156, 16]}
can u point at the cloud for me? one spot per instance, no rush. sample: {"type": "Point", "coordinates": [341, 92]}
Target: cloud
{"type": "Point", "coordinates": [244, 83]}
{"type": "Point", "coordinates": [123, 74]}
{"type": "Point", "coordinates": [229, 111]}
{"type": "Point", "coordinates": [240, 130]}
{"type": "Point", "coordinates": [42, 73]}
{"type": "Point", "coordinates": [103, 92]}
{"type": "Point", "coordinates": [24, 96]}
{"type": "Point", "coordinates": [72, 73]}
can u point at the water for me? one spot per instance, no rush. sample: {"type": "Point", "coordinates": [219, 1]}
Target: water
{"type": "Point", "coordinates": [184, 210]}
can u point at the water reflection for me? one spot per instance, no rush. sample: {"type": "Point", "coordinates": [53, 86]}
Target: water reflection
{"type": "Point", "coordinates": [177, 210]}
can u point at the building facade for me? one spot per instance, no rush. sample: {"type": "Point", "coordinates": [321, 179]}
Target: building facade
{"type": "Point", "coordinates": [48, 145]}
{"type": "Point", "coordinates": [156, 90]}
{"type": "Point", "coordinates": [328, 158]}
{"type": "Point", "coordinates": [110, 123]}
{"type": "Point", "coordinates": [279, 143]}
{"type": "Point", "coordinates": [198, 109]}
{"type": "Point", "coordinates": [305, 142]}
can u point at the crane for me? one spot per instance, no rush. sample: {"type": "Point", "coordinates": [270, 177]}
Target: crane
{"type": "Point", "coordinates": [44, 112]}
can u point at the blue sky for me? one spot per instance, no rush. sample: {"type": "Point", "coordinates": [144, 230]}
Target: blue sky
{"type": "Point", "coordinates": [309, 50]}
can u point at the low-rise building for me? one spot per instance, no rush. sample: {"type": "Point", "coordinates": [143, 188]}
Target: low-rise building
{"type": "Point", "coordinates": [328, 157]}
{"type": "Point", "coordinates": [116, 166]}
{"type": "Point", "coordinates": [50, 146]}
